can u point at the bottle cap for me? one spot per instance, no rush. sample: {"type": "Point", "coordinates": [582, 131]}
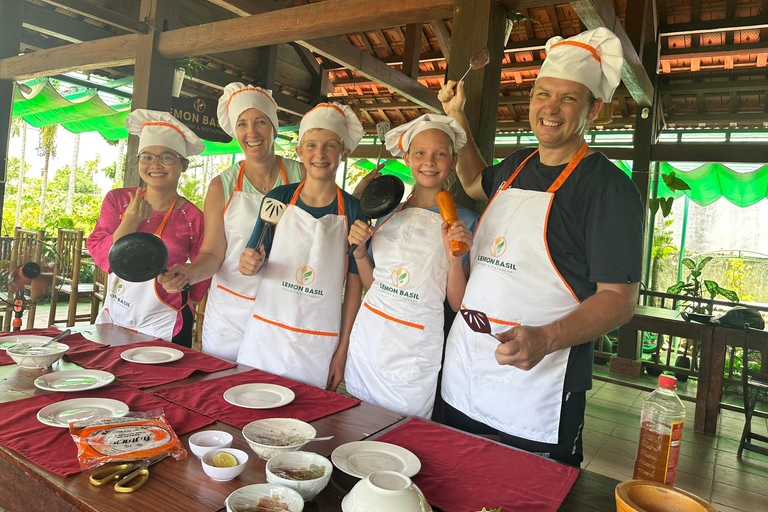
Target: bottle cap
{"type": "Point", "coordinates": [667, 381]}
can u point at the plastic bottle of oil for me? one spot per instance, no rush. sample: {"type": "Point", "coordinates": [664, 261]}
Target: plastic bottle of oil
{"type": "Point", "coordinates": [661, 431]}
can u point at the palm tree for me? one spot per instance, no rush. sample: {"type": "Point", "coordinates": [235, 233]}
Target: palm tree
{"type": "Point", "coordinates": [73, 177]}
{"type": "Point", "coordinates": [19, 127]}
{"type": "Point", "coordinates": [46, 148]}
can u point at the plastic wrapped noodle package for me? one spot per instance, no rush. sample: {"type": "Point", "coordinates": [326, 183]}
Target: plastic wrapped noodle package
{"type": "Point", "coordinates": [133, 437]}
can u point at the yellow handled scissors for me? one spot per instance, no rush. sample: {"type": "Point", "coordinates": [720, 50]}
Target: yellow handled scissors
{"type": "Point", "coordinates": [129, 476]}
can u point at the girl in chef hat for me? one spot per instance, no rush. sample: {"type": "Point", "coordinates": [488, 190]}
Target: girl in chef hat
{"type": "Point", "coordinates": [249, 115]}
{"type": "Point", "coordinates": [397, 340]}
{"type": "Point", "coordinates": [299, 327]}
{"type": "Point", "coordinates": [164, 147]}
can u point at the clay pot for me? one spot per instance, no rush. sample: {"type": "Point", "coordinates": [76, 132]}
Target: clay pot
{"type": "Point", "coordinates": [644, 496]}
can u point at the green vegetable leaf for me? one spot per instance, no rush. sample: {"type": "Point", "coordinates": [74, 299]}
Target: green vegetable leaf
{"type": "Point", "coordinates": [712, 287]}
{"type": "Point", "coordinates": [688, 262]}
{"type": "Point", "coordinates": [703, 262]}
{"type": "Point", "coordinates": [675, 289]}
{"type": "Point", "coordinates": [729, 294]}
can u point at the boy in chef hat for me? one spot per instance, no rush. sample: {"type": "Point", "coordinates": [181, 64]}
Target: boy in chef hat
{"type": "Point", "coordinates": [383, 348]}
{"type": "Point", "coordinates": [238, 98]}
{"type": "Point", "coordinates": [156, 128]}
{"type": "Point", "coordinates": [300, 329]}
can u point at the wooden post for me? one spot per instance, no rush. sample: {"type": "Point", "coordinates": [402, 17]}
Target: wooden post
{"type": "Point", "coordinates": [475, 25]}
{"type": "Point", "coordinates": [153, 74]}
{"type": "Point", "coordinates": [11, 15]}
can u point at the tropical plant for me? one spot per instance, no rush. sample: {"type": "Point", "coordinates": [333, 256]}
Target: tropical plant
{"type": "Point", "coordinates": [191, 67]}
{"type": "Point", "coordinates": [662, 250]}
{"type": "Point", "coordinates": [46, 148]}
{"type": "Point", "coordinates": [19, 127]}
{"type": "Point", "coordinates": [674, 184]}
{"type": "Point", "coordinates": [694, 287]}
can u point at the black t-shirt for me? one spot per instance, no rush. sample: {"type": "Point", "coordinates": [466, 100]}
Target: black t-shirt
{"type": "Point", "coordinates": [594, 231]}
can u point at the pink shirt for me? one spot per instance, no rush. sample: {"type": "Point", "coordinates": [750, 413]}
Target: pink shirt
{"type": "Point", "coordinates": [183, 234]}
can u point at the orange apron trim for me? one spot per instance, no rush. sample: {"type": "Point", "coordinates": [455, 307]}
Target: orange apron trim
{"type": "Point", "coordinates": [241, 175]}
{"type": "Point", "coordinates": [235, 293]}
{"type": "Point", "coordinates": [587, 47]}
{"type": "Point", "coordinates": [296, 329]}
{"type": "Point", "coordinates": [393, 319]}
{"type": "Point", "coordinates": [496, 320]}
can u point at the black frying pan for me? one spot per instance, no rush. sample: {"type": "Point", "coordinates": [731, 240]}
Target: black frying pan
{"type": "Point", "coordinates": [139, 257]}
{"type": "Point", "coordinates": [379, 198]}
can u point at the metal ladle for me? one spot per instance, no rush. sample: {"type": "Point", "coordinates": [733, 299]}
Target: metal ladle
{"type": "Point", "coordinates": [478, 60]}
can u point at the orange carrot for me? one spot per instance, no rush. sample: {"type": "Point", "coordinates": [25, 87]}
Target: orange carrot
{"type": "Point", "coordinates": [448, 211]}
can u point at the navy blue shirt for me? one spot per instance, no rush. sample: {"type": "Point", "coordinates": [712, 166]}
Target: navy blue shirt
{"type": "Point", "coordinates": [285, 193]}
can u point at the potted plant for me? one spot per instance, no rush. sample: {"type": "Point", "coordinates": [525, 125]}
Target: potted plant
{"type": "Point", "coordinates": [182, 68]}
{"type": "Point", "coordinates": [694, 289]}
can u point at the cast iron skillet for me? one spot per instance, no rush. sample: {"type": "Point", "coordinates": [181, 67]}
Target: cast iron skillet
{"type": "Point", "coordinates": [379, 198]}
{"type": "Point", "coordinates": [139, 257]}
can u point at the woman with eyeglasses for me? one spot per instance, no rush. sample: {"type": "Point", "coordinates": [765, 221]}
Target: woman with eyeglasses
{"type": "Point", "coordinates": [164, 145]}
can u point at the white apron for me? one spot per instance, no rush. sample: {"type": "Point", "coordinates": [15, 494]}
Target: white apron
{"type": "Point", "coordinates": [397, 339]}
{"type": "Point", "coordinates": [513, 281]}
{"type": "Point", "coordinates": [294, 327]}
{"type": "Point", "coordinates": [231, 295]}
{"type": "Point", "coordinates": [136, 306]}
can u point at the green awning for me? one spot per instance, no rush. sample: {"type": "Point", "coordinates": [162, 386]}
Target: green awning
{"type": "Point", "coordinates": [393, 167]}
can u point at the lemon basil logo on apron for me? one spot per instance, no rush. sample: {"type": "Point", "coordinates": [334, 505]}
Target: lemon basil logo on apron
{"type": "Point", "coordinates": [305, 276]}
{"type": "Point", "coordinates": [498, 246]}
{"type": "Point", "coordinates": [117, 289]}
{"type": "Point", "coordinates": [400, 278]}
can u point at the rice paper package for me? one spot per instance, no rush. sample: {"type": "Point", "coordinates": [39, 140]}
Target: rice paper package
{"type": "Point", "coordinates": [133, 437]}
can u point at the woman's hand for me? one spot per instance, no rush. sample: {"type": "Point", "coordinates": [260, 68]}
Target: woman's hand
{"type": "Point", "coordinates": [138, 209]}
{"type": "Point", "coordinates": [175, 278]}
{"type": "Point", "coordinates": [251, 261]}
{"type": "Point", "coordinates": [457, 233]}
{"type": "Point", "coordinates": [366, 180]}
{"type": "Point", "coordinates": [359, 233]}
{"type": "Point", "coordinates": [452, 97]}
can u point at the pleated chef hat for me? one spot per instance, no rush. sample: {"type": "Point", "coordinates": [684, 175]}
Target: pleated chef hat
{"type": "Point", "coordinates": [156, 128]}
{"type": "Point", "coordinates": [338, 118]}
{"type": "Point", "coordinates": [238, 98]}
{"type": "Point", "coordinates": [398, 139]}
{"type": "Point", "coordinates": [593, 58]}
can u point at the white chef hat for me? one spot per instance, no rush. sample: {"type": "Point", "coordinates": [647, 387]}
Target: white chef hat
{"type": "Point", "coordinates": [238, 98]}
{"type": "Point", "coordinates": [398, 139]}
{"type": "Point", "coordinates": [338, 118]}
{"type": "Point", "coordinates": [593, 58]}
{"type": "Point", "coordinates": [156, 128]}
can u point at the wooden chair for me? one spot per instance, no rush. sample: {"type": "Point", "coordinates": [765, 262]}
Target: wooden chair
{"type": "Point", "coordinates": [753, 382]}
{"type": "Point", "coordinates": [69, 247]}
{"type": "Point", "coordinates": [197, 341]}
{"type": "Point", "coordinates": [100, 278]}
{"type": "Point", "coordinates": [27, 245]}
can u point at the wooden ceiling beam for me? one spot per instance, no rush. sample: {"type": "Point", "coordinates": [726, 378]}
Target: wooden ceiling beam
{"type": "Point", "coordinates": [599, 13]}
{"type": "Point", "coordinates": [443, 38]}
{"type": "Point", "coordinates": [95, 12]}
{"type": "Point", "coordinates": [713, 87]}
{"type": "Point", "coordinates": [708, 52]}
{"type": "Point", "coordinates": [720, 25]}
{"type": "Point", "coordinates": [66, 28]}
{"type": "Point", "coordinates": [412, 49]}
{"type": "Point", "coordinates": [87, 56]}
{"type": "Point", "coordinates": [298, 23]}
{"type": "Point", "coordinates": [517, 5]}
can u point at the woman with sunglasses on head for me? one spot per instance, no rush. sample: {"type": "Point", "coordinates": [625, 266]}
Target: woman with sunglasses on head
{"type": "Point", "coordinates": [164, 145]}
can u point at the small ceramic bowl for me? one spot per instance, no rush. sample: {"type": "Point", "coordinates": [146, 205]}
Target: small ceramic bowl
{"type": "Point", "coordinates": [224, 474]}
{"type": "Point", "coordinates": [642, 495]}
{"type": "Point", "coordinates": [36, 356]}
{"type": "Point", "coordinates": [271, 436]}
{"type": "Point", "coordinates": [201, 443]}
{"type": "Point", "coordinates": [248, 498]}
{"type": "Point", "coordinates": [297, 461]}
{"type": "Point", "coordinates": [385, 491]}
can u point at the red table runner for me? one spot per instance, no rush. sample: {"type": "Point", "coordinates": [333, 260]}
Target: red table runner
{"type": "Point", "coordinates": [77, 343]}
{"type": "Point", "coordinates": [207, 397]}
{"type": "Point", "coordinates": [53, 449]}
{"type": "Point", "coordinates": [149, 375]}
{"type": "Point", "coordinates": [463, 473]}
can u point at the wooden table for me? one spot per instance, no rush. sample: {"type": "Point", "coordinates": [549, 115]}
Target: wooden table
{"type": "Point", "coordinates": [182, 485]}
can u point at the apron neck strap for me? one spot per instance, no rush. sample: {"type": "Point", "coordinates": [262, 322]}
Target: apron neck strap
{"type": "Point", "coordinates": [238, 186]}
{"type": "Point", "coordinates": [398, 210]}
{"type": "Point", "coordinates": [339, 197]}
{"type": "Point", "coordinates": [563, 175]}
{"type": "Point", "coordinates": [159, 231]}
{"type": "Point", "coordinates": [283, 173]}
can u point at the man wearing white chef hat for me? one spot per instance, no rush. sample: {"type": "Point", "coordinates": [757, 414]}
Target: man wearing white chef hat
{"type": "Point", "coordinates": [557, 259]}
{"type": "Point", "coordinates": [248, 114]}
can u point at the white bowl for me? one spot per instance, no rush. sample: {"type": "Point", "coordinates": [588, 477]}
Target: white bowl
{"type": "Point", "coordinates": [299, 460]}
{"type": "Point", "coordinates": [385, 491]}
{"type": "Point", "coordinates": [36, 356]}
{"type": "Point", "coordinates": [271, 436]}
{"type": "Point", "coordinates": [224, 474]}
{"type": "Point", "coordinates": [247, 498]}
{"type": "Point", "coordinates": [201, 443]}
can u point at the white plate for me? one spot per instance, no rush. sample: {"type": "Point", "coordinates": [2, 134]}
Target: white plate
{"type": "Point", "coordinates": [74, 380]}
{"type": "Point", "coordinates": [259, 396]}
{"type": "Point", "coordinates": [31, 339]}
{"type": "Point", "coordinates": [152, 355]}
{"type": "Point", "coordinates": [61, 414]}
{"type": "Point", "coordinates": [361, 458]}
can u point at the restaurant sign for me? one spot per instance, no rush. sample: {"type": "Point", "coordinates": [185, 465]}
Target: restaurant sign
{"type": "Point", "coordinates": [199, 115]}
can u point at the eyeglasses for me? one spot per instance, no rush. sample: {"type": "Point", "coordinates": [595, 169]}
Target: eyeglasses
{"type": "Point", "coordinates": [165, 158]}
